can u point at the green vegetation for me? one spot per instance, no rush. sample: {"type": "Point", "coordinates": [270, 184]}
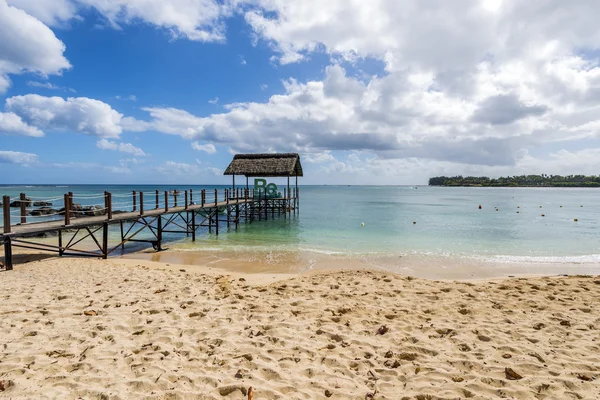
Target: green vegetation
{"type": "Point", "coordinates": [523, 180]}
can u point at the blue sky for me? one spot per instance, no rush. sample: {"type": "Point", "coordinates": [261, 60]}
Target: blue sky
{"type": "Point", "coordinates": [389, 92]}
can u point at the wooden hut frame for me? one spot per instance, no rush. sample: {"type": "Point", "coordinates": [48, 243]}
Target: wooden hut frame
{"type": "Point", "coordinates": [263, 166]}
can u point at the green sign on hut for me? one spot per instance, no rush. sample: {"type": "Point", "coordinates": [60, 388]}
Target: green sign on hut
{"type": "Point", "coordinates": [260, 166]}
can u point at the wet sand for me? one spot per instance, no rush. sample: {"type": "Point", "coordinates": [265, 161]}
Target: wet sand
{"type": "Point", "coordinates": [420, 266]}
{"type": "Point", "coordinates": [126, 328]}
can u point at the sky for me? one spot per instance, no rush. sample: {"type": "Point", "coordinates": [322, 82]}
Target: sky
{"type": "Point", "coordinates": [368, 92]}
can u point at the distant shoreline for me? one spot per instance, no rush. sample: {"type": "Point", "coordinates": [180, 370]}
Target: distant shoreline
{"type": "Point", "coordinates": [523, 186]}
{"type": "Point", "coordinates": [517, 181]}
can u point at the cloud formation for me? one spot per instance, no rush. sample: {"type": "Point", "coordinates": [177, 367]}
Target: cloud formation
{"type": "Point", "coordinates": [12, 124]}
{"type": "Point", "coordinates": [17, 157]}
{"type": "Point", "coordinates": [207, 148]}
{"type": "Point", "coordinates": [474, 84]}
{"type": "Point", "coordinates": [75, 114]}
{"type": "Point", "coordinates": [128, 148]}
{"type": "Point", "coordinates": [27, 45]}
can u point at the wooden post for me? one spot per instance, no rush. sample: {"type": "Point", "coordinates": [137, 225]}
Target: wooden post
{"type": "Point", "coordinates": [67, 209]}
{"type": "Point", "coordinates": [216, 197]}
{"type": "Point", "coordinates": [175, 198]}
{"type": "Point", "coordinates": [122, 235]}
{"type": "Point", "coordinates": [105, 240]}
{"type": "Point", "coordinates": [166, 201]}
{"type": "Point", "coordinates": [8, 261]}
{"type": "Point", "coordinates": [287, 202]}
{"type": "Point", "coordinates": [159, 233]}
{"type": "Point", "coordinates": [284, 201]}
{"type": "Point", "coordinates": [23, 205]}
{"type": "Point", "coordinates": [202, 197]}
{"type": "Point", "coordinates": [227, 196]}
{"type": "Point", "coordinates": [60, 247]}
{"type": "Point", "coordinates": [141, 203]}
{"type": "Point", "coordinates": [186, 200]}
{"type": "Point", "coordinates": [217, 220]}
{"type": "Point", "coordinates": [109, 205]}
{"type": "Point", "coordinates": [105, 202]}
{"type": "Point", "coordinates": [134, 197]}
{"type": "Point", "coordinates": [246, 206]}
{"type": "Point", "coordinates": [233, 186]}
{"type": "Point", "coordinates": [6, 213]}
{"type": "Point", "coordinates": [193, 226]}
{"type": "Point", "coordinates": [70, 200]}
{"type": "Point", "coordinates": [191, 196]}
{"type": "Point", "coordinates": [157, 199]}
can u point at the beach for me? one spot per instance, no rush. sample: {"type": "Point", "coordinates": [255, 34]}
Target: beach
{"type": "Point", "coordinates": [127, 328]}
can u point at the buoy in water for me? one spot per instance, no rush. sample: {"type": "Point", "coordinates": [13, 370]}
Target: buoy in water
{"type": "Point", "coordinates": [480, 206]}
{"type": "Point", "coordinates": [560, 206]}
{"type": "Point", "coordinates": [518, 212]}
{"type": "Point", "coordinates": [362, 224]}
{"type": "Point", "coordinates": [540, 206]}
{"type": "Point", "coordinates": [543, 215]}
{"type": "Point", "coordinates": [575, 219]}
{"type": "Point", "coordinates": [414, 222]}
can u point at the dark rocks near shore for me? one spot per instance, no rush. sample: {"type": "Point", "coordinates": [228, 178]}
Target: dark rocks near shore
{"type": "Point", "coordinates": [17, 203]}
{"type": "Point", "coordinates": [43, 211]}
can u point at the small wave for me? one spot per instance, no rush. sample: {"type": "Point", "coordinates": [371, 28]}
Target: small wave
{"type": "Point", "coordinates": [585, 259]}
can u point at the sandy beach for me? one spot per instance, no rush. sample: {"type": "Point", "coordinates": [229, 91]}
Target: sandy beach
{"type": "Point", "coordinates": [123, 329]}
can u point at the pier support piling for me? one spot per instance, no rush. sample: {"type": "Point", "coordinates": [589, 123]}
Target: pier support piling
{"type": "Point", "coordinates": [8, 260]}
{"type": "Point", "coordinates": [105, 240]}
{"type": "Point", "coordinates": [6, 213]}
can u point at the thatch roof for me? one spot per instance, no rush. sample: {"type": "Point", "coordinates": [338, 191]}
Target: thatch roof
{"type": "Point", "coordinates": [282, 164]}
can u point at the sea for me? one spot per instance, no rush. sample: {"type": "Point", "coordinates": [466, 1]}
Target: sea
{"type": "Point", "coordinates": [433, 232]}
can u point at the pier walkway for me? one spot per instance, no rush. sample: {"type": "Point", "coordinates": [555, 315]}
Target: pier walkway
{"type": "Point", "coordinates": [74, 223]}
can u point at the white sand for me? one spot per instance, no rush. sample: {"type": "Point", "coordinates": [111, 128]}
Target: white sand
{"type": "Point", "coordinates": [157, 332]}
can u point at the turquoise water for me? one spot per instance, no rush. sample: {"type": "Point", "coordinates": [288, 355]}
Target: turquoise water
{"type": "Point", "coordinates": [447, 221]}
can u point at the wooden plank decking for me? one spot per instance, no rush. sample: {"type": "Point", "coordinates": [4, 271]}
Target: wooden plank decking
{"type": "Point", "coordinates": [87, 221]}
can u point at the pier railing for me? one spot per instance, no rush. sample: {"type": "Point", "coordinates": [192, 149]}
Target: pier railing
{"type": "Point", "coordinates": [28, 209]}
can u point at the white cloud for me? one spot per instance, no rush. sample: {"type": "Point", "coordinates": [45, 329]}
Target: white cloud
{"type": "Point", "coordinates": [76, 114]}
{"type": "Point", "coordinates": [199, 20]}
{"type": "Point", "coordinates": [27, 45]}
{"type": "Point", "coordinates": [46, 85]}
{"type": "Point", "coordinates": [54, 12]}
{"type": "Point", "coordinates": [207, 148]}
{"type": "Point", "coordinates": [242, 60]}
{"type": "Point", "coordinates": [264, 86]}
{"type": "Point", "coordinates": [105, 144]}
{"type": "Point", "coordinates": [177, 168]}
{"type": "Point", "coordinates": [214, 101]}
{"type": "Point", "coordinates": [12, 124]}
{"type": "Point", "coordinates": [317, 158]}
{"type": "Point", "coordinates": [214, 171]}
{"type": "Point", "coordinates": [131, 97]}
{"type": "Point", "coordinates": [16, 157]}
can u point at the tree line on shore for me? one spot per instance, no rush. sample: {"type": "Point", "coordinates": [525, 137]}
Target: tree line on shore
{"type": "Point", "coordinates": [522, 180]}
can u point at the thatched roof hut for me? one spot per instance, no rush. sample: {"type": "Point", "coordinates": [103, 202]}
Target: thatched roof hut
{"type": "Point", "coordinates": [263, 165]}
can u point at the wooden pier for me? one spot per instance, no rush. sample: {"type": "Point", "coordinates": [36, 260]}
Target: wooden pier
{"type": "Point", "coordinates": [215, 208]}
{"type": "Point", "coordinates": [142, 214]}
